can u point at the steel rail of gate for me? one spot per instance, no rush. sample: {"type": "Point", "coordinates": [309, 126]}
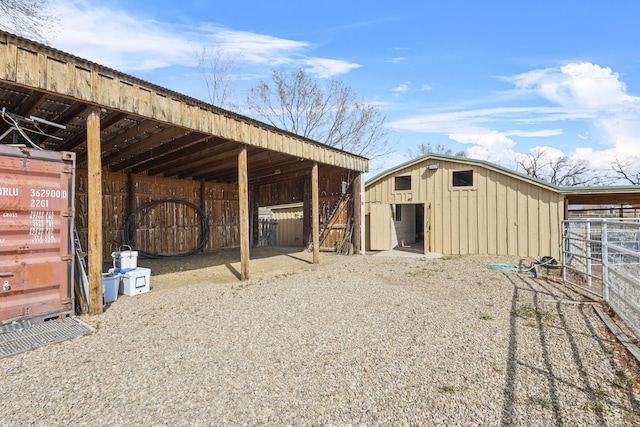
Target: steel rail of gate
{"type": "Point", "coordinates": [602, 256]}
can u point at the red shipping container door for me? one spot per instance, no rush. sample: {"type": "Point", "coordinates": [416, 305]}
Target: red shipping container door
{"type": "Point", "coordinates": [36, 224]}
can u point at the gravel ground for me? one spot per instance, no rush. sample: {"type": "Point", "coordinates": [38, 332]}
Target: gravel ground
{"type": "Point", "coordinates": [354, 341]}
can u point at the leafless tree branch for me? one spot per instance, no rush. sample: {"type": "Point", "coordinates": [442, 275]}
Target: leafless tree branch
{"type": "Point", "coordinates": [557, 170]}
{"type": "Point", "coordinates": [424, 149]}
{"type": "Point", "coordinates": [218, 70]}
{"type": "Point", "coordinates": [32, 19]}
{"type": "Point", "coordinates": [623, 170]}
{"type": "Point", "coordinates": [328, 113]}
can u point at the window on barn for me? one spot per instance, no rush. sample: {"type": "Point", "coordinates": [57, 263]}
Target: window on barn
{"type": "Point", "coordinates": [403, 183]}
{"type": "Point", "coordinates": [463, 179]}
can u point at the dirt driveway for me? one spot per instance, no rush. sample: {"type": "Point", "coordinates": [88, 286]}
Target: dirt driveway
{"type": "Point", "coordinates": [360, 340]}
{"type": "Point", "coordinates": [223, 266]}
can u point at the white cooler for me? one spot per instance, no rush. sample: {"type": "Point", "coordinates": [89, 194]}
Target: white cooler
{"type": "Point", "coordinates": [125, 259]}
{"type": "Point", "coordinates": [135, 282]}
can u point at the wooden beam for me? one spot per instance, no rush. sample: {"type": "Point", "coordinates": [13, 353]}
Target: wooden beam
{"type": "Point", "coordinates": [243, 190]}
{"type": "Point", "coordinates": [315, 213]}
{"type": "Point", "coordinates": [261, 175]}
{"type": "Point", "coordinates": [358, 204]}
{"type": "Point", "coordinates": [94, 186]}
{"type": "Point", "coordinates": [72, 143]}
{"type": "Point", "coordinates": [158, 152]}
{"type": "Point", "coordinates": [197, 154]}
{"type": "Point", "coordinates": [142, 145]}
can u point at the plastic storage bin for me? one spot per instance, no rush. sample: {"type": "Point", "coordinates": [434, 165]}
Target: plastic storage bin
{"type": "Point", "coordinates": [110, 286]}
{"type": "Point", "coordinates": [125, 259]}
{"type": "Point", "coordinates": [135, 282]}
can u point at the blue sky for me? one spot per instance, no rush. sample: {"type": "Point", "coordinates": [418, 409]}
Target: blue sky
{"type": "Point", "coordinates": [493, 78]}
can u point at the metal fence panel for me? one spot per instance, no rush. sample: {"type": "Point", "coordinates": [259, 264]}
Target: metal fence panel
{"type": "Point", "coordinates": [582, 254]}
{"type": "Point", "coordinates": [603, 257]}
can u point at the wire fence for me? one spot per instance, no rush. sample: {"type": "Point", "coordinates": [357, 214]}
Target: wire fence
{"type": "Point", "coordinates": [602, 256]}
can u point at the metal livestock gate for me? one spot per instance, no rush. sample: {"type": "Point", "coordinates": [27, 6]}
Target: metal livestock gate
{"type": "Point", "coordinates": [602, 256]}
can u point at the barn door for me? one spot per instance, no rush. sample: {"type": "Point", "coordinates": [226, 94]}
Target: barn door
{"type": "Point", "coordinates": [380, 227]}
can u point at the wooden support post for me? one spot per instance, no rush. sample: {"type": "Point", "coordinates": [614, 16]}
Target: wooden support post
{"type": "Point", "coordinates": [315, 213]}
{"type": "Point", "coordinates": [94, 186]}
{"type": "Point", "coordinates": [243, 190]}
{"type": "Point", "coordinates": [358, 205]}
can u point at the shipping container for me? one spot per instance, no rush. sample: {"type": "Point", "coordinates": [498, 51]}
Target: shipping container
{"type": "Point", "coordinates": [36, 224]}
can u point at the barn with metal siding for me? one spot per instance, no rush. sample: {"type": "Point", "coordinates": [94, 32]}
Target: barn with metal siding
{"type": "Point", "coordinates": [136, 142]}
{"type": "Point", "coordinates": [462, 206]}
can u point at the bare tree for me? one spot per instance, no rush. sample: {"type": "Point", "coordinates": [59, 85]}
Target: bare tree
{"type": "Point", "coordinates": [556, 170]}
{"type": "Point", "coordinates": [218, 69]}
{"type": "Point", "coordinates": [623, 170]}
{"type": "Point", "coordinates": [28, 18]}
{"type": "Point", "coordinates": [425, 149]}
{"type": "Point", "coordinates": [327, 113]}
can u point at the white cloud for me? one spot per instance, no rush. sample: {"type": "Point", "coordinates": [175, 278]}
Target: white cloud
{"type": "Point", "coordinates": [583, 85]}
{"type": "Point", "coordinates": [536, 133]}
{"type": "Point", "coordinates": [119, 40]}
{"type": "Point", "coordinates": [402, 87]}
{"type": "Point", "coordinates": [583, 93]}
{"type": "Point", "coordinates": [480, 120]}
{"type": "Point", "coordinates": [493, 146]}
{"type": "Point", "coordinates": [114, 38]}
{"type": "Point", "coordinates": [397, 60]}
{"type": "Point", "coordinates": [426, 87]}
{"type": "Point", "coordinates": [328, 67]}
{"type": "Point", "coordinates": [597, 91]}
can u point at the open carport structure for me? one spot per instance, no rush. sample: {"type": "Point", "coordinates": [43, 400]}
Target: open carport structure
{"type": "Point", "coordinates": [136, 142]}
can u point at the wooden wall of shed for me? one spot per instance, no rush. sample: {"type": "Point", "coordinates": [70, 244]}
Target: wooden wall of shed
{"type": "Point", "coordinates": [299, 190]}
{"type": "Point", "coordinates": [169, 229]}
{"type": "Point", "coordinates": [330, 189]}
{"type": "Point", "coordinates": [281, 193]}
{"type": "Point", "coordinates": [500, 214]}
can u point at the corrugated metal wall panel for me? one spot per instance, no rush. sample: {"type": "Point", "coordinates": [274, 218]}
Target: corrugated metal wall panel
{"type": "Point", "coordinates": [36, 219]}
{"type": "Point", "coordinates": [289, 231]}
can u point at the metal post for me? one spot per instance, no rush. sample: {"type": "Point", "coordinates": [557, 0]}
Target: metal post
{"type": "Point", "coordinates": [565, 248]}
{"type": "Point", "coordinates": [587, 234]}
{"type": "Point", "coordinates": [605, 262]}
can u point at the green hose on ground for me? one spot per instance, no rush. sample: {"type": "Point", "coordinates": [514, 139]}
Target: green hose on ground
{"type": "Point", "coordinates": [511, 267]}
{"type": "Point", "coordinates": [522, 269]}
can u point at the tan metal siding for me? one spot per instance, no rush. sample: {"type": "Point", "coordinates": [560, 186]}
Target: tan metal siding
{"type": "Point", "coordinates": [289, 230]}
{"type": "Point", "coordinates": [380, 226]}
{"type": "Point", "coordinates": [501, 214]}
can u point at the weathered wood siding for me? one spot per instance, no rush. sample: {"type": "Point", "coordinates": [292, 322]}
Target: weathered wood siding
{"type": "Point", "coordinates": [500, 214]}
{"type": "Point", "coordinates": [115, 211]}
{"type": "Point", "coordinates": [34, 65]}
{"type": "Point", "coordinates": [281, 193]}
{"type": "Point", "coordinates": [167, 228]}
